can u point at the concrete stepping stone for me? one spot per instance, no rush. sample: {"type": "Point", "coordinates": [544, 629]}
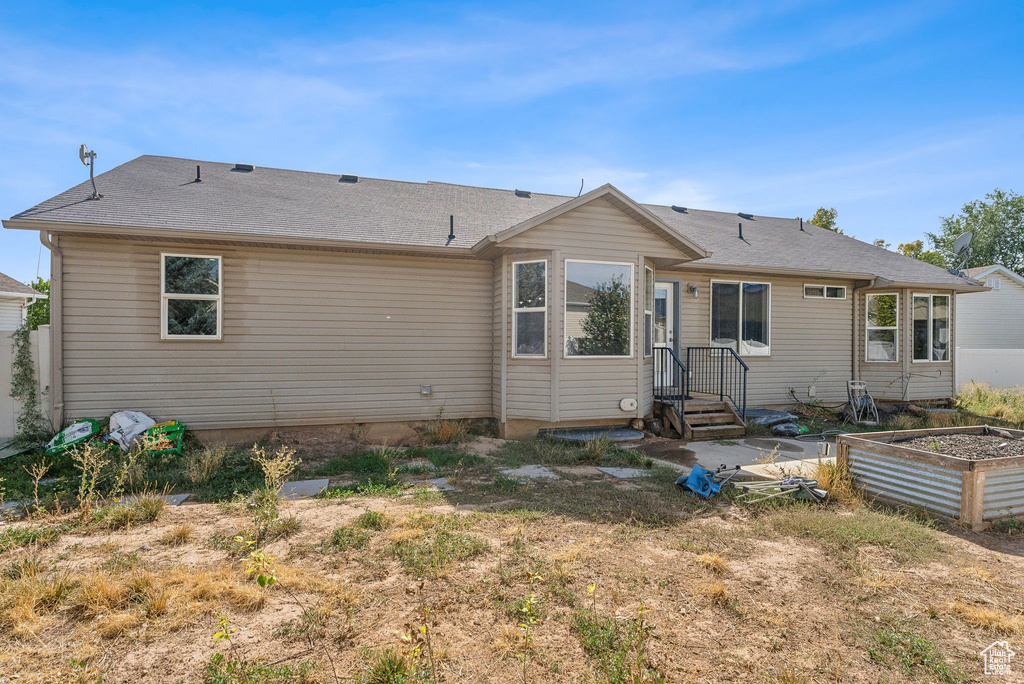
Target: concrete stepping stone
{"type": "Point", "coordinates": [299, 489]}
{"type": "Point", "coordinates": [418, 464]}
{"type": "Point", "coordinates": [530, 473]}
{"type": "Point", "coordinates": [625, 473]}
{"type": "Point", "coordinates": [169, 499]}
{"type": "Point", "coordinates": [440, 483]}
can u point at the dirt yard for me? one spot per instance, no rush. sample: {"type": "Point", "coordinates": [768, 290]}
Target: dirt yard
{"type": "Point", "coordinates": [582, 578]}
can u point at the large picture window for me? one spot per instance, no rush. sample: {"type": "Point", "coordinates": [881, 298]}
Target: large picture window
{"type": "Point", "coordinates": [190, 299]}
{"type": "Point", "coordinates": [598, 308]}
{"type": "Point", "coordinates": [931, 327]}
{"type": "Point", "coordinates": [882, 327]}
{"type": "Point", "coordinates": [741, 317]}
{"type": "Point", "coordinates": [530, 308]}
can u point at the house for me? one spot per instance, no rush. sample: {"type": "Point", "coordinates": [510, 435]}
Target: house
{"type": "Point", "coordinates": [231, 296]}
{"type": "Point", "coordinates": [15, 298]}
{"type": "Point", "coordinates": [990, 325]}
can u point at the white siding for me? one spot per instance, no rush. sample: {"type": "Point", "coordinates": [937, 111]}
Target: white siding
{"type": "Point", "coordinates": [11, 313]}
{"type": "Point", "coordinates": [993, 319]}
{"type": "Point", "coordinates": [309, 337]}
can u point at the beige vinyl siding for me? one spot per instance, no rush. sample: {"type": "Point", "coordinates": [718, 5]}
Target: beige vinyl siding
{"type": "Point", "coordinates": [811, 339]}
{"type": "Point", "coordinates": [308, 337]}
{"type": "Point", "coordinates": [905, 380]}
{"type": "Point", "coordinates": [11, 313]}
{"type": "Point", "coordinates": [584, 388]}
{"type": "Point", "coordinates": [993, 319]}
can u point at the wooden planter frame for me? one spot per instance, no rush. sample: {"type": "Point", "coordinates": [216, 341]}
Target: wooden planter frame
{"type": "Point", "coordinates": [973, 473]}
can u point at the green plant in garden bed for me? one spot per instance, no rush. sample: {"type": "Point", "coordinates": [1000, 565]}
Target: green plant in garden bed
{"type": "Point", "coordinates": [15, 537]}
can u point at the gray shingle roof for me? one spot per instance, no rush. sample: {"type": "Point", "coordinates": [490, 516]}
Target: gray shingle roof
{"type": "Point", "coordinates": [152, 192]}
{"type": "Point", "coordinates": [9, 284]}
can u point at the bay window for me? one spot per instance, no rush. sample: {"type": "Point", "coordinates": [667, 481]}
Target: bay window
{"type": "Point", "coordinates": [530, 308]}
{"type": "Point", "coordinates": [598, 308]}
{"type": "Point", "coordinates": [931, 327]}
{"type": "Point", "coordinates": [741, 317]}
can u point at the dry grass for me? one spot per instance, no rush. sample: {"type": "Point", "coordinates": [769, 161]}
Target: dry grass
{"type": "Point", "coordinates": [713, 562]}
{"type": "Point", "coordinates": [177, 536]}
{"type": "Point", "coordinates": [907, 421]}
{"type": "Point", "coordinates": [990, 619]}
{"type": "Point", "coordinates": [984, 400]}
{"type": "Point", "coordinates": [835, 477]}
{"type": "Point", "coordinates": [446, 431]}
{"type": "Point", "coordinates": [201, 464]}
{"type": "Point", "coordinates": [716, 591]}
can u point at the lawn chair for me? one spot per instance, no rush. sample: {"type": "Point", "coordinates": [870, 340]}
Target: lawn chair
{"type": "Point", "coordinates": [706, 483]}
{"type": "Point", "coordinates": [862, 405]}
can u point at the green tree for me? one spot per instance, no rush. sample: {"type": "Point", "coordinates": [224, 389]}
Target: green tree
{"type": "Point", "coordinates": [881, 242]}
{"type": "Point", "coordinates": [606, 327]}
{"type": "Point", "coordinates": [998, 225]}
{"type": "Point", "coordinates": [39, 312]}
{"type": "Point", "coordinates": [916, 250]}
{"type": "Point", "coordinates": [826, 218]}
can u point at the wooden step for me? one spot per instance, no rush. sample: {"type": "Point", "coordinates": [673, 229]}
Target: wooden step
{"type": "Point", "coordinates": [719, 418]}
{"type": "Point", "coordinates": [709, 432]}
{"type": "Point", "coordinates": [705, 407]}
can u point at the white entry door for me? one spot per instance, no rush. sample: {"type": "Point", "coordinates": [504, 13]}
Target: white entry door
{"type": "Point", "coordinates": [664, 324]}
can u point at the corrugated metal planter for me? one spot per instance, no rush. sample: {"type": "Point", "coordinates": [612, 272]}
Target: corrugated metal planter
{"type": "Point", "coordinates": [973, 492]}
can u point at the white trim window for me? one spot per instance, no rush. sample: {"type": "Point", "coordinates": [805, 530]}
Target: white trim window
{"type": "Point", "coordinates": [190, 297]}
{"type": "Point", "coordinates": [931, 327]}
{"type": "Point", "coordinates": [882, 327]}
{"type": "Point", "coordinates": [741, 316]}
{"type": "Point", "coordinates": [530, 309]}
{"type": "Point", "coordinates": [815, 291]}
{"type": "Point", "coordinates": [648, 311]}
{"type": "Point", "coordinates": [598, 309]}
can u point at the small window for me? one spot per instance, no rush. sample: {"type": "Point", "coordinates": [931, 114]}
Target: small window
{"type": "Point", "coordinates": [649, 312]}
{"type": "Point", "coordinates": [741, 317]}
{"type": "Point", "coordinates": [824, 292]}
{"type": "Point", "coordinates": [994, 283]}
{"type": "Point", "coordinates": [598, 309]}
{"type": "Point", "coordinates": [931, 327]}
{"type": "Point", "coordinates": [530, 308]}
{"type": "Point", "coordinates": [882, 327]}
{"type": "Point", "coordinates": [190, 299]}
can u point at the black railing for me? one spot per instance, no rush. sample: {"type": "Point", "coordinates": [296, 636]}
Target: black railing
{"type": "Point", "coordinates": [718, 371]}
{"type": "Point", "coordinates": [670, 379]}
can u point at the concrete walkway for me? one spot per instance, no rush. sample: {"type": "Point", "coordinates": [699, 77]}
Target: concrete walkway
{"type": "Point", "coordinates": [793, 457]}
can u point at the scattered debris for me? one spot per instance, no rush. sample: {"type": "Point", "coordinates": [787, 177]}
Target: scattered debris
{"type": "Point", "coordinates": [797, 487]}
{"type": "Point", "coordinates": [787, 429]}
{"type": "Point", "coordinates": [769, 417]}
{"type": "Point", "coordinates": [706, 483]}
{"type": "Point", "coordinates": [76, 433]}
{"type": "Point", "coordinates": [126, 427]}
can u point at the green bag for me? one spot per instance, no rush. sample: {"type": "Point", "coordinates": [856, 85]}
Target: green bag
{"type": "Point", "coordinates": [77, 433]}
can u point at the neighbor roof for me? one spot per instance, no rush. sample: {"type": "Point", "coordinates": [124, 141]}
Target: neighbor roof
{"type": "Point", "coordinates": [10, 286]}
{"type": "Point", "coordinates": [153, 193]}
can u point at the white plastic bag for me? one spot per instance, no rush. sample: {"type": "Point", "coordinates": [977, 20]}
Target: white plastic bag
{"type": "Point", "coordinates": [126, 426]}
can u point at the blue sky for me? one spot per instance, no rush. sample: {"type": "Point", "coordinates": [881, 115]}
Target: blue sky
{"type": "Point", "coordinates": [895, 113]}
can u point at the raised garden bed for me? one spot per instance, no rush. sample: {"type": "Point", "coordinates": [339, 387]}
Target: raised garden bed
{"type": "Point", "coordinates": [971, 474]}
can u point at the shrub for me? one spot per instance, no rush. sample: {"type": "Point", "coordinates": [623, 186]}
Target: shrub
{"type": "Point", "coordinates": [347, 539]}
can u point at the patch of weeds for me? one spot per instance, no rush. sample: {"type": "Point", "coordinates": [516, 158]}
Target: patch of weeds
{"type": "Point", "coordinates": [221, 670]}
{"type": "Point", "coordinates": [503, 484]}
{"type": "Point", "coordinates": [912, 654]}
{"type": "Point", "coordinates": [725, 442]}
{"type": "Point", "coordinates": [617, 650]}
{"type": "Point", "coordinates": [141, 511]}
{"type": "Point", "coordinates": [542, 451]}
{"type": "Point", "coordinates": [391, 486]}
{"type": "Point", "coordinates": [844, 531]}
{"type": "Point", "coordinates": [312, 623]}
{"type": "Point", "coordinates": [235, 545]}
{"type": "Point", "coordinates": [375, 462]}
{"type": "Point", "coordinates": [347, 539]}
{"type": "Point", "coordinates": [443, 545]}
{"type": "Point", "coordinates": [15, 537]}
{"type": "Point", "coordinates": [177, 536]}
{"type": "Point", "coordinates": [389, 666]}
{"type": "Point", "coordinates": [444, 457]}
{"type": "Point", "coordinates": [121, 562]}
{"type": "Point", "coordinates": [445, 431]}
{"type": "Point", "coordinates": [372, 520]}
{"type": "Point", "coordinates": [236, 474]}
{"type": "Point", "coordinates": [1010, 525]}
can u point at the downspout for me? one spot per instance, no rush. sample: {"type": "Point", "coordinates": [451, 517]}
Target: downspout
{"type": "Point", "coordinates": [56, 327]}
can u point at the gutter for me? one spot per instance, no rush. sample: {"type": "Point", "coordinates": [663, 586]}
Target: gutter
{"type": "Point", "coordinates": [56, 327]}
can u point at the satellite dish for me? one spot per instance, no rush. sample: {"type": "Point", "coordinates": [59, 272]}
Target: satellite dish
{"type": "Point", "coordinates": [88, 157]}
{"type": "Point", "coordinates": [84, 155]}
{"type": "Point", "coordinates": [962, 251]}
{"type": "Point", "coordinates": [962, 243]}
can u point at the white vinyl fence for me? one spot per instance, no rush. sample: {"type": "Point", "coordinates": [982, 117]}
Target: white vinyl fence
{"type": "Point", "coordinates": [9, 408]}
{"type": "Point", "coordinates": [997, 367]}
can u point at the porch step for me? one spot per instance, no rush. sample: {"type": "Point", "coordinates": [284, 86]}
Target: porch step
{"type": "Point", "coordinates": [708, 432]}
{"type": "Point", "coordinates": [705, 407]}
{"type": "Point", "coordinates": [710, 418]}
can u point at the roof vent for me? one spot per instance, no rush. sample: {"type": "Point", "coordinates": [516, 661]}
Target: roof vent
{"type": "Point", "coordinates": [523, 193]}
{"type": "Point", "coordinates": [749, 217]}
{"type": "Point", "coordinates": [348, 178]}
{"type": "Point", "coordinates": [245, 168]}
{"type": "Point", "coordinates": [681, 210]}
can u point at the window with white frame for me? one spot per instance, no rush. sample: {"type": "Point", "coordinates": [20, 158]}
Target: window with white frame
{"type": "Point", "coordinates": [994, 283]}
{"type": "Point", "coordinates": [648, 312]}
{"type": "Point", "coordinates": [931, 327]}
{"type": "Point", "coordinates": [741, 317]}
{"type": "Point", "coordinates": [530, 308]}
{"type": "Point", "coordinates": [882, 327]}
{"type": "Point", "coordinates": [598, 308]}
{"type": "Point", "coordinates": [190, 296]}
{"type": "Point", "coordinates": [824, 291]}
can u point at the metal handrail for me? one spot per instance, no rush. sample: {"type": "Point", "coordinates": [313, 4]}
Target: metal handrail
{"type": "Point", "coordinates": [670, 379]}
{"type": "Point", "coordinates": [721, 371]}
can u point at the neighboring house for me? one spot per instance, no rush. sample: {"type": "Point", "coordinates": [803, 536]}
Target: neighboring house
{"type": "Point", "coordinates": [990, 329]}
{"type": "Point", "coordinates": [264, 297]}
{"type": "Point", "coordinates": [15, 298]}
